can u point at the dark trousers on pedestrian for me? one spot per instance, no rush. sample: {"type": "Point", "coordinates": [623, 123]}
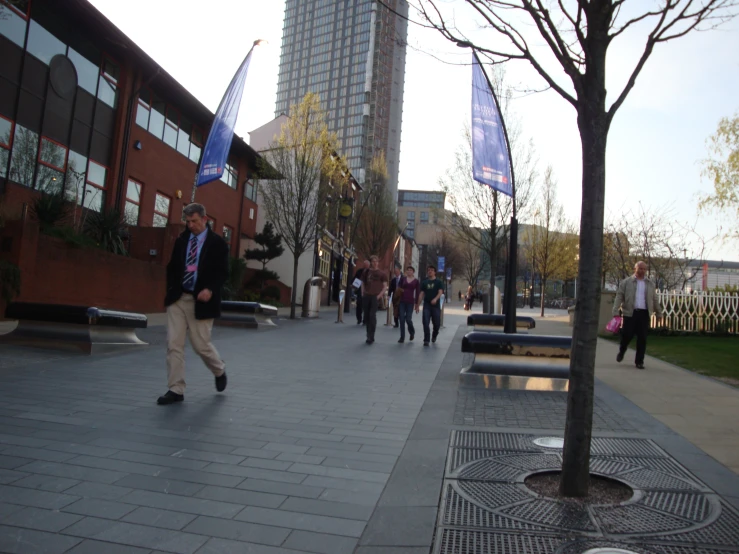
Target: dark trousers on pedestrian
{"type": "Point", "coordinates": [369, 305]}
{"type": "Point", "coordinates": [360, 302]}
{"type": "Point", "coordinates": [431, 313]}
{"type": "Point", "coordinates": [637, 324]}
{"type": "Point", "coordinates": [406, 316]}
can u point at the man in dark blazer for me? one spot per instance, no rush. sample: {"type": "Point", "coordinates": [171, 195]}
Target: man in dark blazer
{"type": "Point", "coordinates": [195, 275]}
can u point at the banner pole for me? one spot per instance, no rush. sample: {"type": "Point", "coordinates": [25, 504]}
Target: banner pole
{"type": "Point", "coordinates": [511, 273]}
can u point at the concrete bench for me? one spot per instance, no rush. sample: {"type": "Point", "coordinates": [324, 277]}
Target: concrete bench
{"type": "Point", "coordinates": [496, 322]}
{"type": "Point", "coordinates": [518, 355]}
{"type": "Point", "coordinates": [59, 326]}
{"type": "Point", "coordinates": [250, 315]}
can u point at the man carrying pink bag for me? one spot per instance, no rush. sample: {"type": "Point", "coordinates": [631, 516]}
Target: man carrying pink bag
{"type": "Point", "coordinates": [637, 300]}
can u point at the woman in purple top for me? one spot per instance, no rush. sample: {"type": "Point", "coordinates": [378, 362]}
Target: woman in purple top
{"type": "Point", "coordinates": [408, 302]}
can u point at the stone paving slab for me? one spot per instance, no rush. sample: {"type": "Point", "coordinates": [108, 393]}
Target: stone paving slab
{"type": "Point", "coordinates": [293, 457]}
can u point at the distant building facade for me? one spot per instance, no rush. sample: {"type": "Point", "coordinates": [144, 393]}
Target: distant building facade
{"type": "Point", "coordinates": [353, 55]}
{"type": "Point", "coordinates": [331, 255]}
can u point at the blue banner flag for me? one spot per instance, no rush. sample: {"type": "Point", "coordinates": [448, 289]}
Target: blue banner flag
{"type": "Point", "coordinates": [440, 263]}
{"type": "Point", "coordinates": [490, 157]}
{"type": "Point", "coordinates": [215, 154]}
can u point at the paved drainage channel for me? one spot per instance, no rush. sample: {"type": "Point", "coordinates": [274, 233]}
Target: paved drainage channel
{"type": "Point", "coordinates": [486, 508]}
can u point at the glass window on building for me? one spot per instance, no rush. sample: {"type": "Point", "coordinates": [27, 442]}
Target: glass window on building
{"type": "Point", "coordinates": [23, 157]}
{"type": "Point", "coordinates": [161, 210]}
{"type": "Point", "coordinates": [74, 183]}
{"type": "Point", "coordinates": [156, 117]}
{"type": "Point", "coordinates": [227, 234]}
{"type": "Point", "coordinates": [171, 127]}
{"type": "Point", "coordinates": [42, 44]}
{"type": "Point", "coordinates": [52, 164]}
{"type": "Point", "coordinates": [250, 190]}
{"type": "Point", "coordinates": [133, 203]}
{"type": "Point", "coordinates": [325, 265]}
{"type": "Point", "coordinates": [424, 217]}
{"type": "Point", "coordinates": [143, 108]}
{"type": "Point", "coordinates": [183, 137]}
{"type": "Point", "coordinates": [87, 72]}
{"type": "Point", "coordinates": [6, 141]}
{"type": "Point", "coordinates": [230, 174]}
{"type": "Point", "coordinates": [411, 216]}
{"type": "Point", "coordinates": [108, 86]}
{"type": "Point", "coordinates": [94, 195]}
{"type": "Point", "coordinates": [12, 25]}
{"type": "Point", "coordinates": [196, 144]}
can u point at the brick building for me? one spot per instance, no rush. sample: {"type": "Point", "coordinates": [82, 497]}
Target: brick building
{"type": "Point", "coordinates": [84, 112]}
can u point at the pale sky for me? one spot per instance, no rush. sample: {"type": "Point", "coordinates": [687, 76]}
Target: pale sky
{"type": "Point", "coordinates": [655, 144]}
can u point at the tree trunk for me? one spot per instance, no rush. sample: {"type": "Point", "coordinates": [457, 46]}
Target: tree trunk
{"type": "Point", "coordinates": [543, 287]}
{"type": "Point", "coordinates": [294, 296]}
{"type": "Point", "coordinates": [593, 126]}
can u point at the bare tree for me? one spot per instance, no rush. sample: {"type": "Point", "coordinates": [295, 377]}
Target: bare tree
{"type": "Point", "coordinates": [472, 263]}
{"type": "Point", "coordinates": [672, 250]}
{"type": "Point", "coordinates": [567, 43]}
{"type": "Point", "coordinates": [377, 223]}
{"type": "Point", "coordinates": [446, 246]}
{"type": "Point", "coordinates": [546, 244]}
{"type": "Point", "coordinates": [303, 157]}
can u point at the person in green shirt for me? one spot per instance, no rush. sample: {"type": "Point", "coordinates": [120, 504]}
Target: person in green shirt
{"type": "Point", "coordinates": [431, 291]}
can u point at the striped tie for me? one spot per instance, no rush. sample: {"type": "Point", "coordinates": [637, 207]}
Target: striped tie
{"type": "Point", "coordinates": [189, 278]}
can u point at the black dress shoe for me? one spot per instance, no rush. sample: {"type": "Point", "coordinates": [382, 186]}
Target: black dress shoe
{"type": "Point", "coordinates": [640, 366]}
{"type": "Point", "coordinates": [619, 356]}
{"type": "Point", "coordinates": [411, 337]}
{"type": "Point", "coordinates": [433, 337]}
{"type": "Point", "coordinates": [370, 341]}
{"type": "Point", "coordinates": [221, 382]}
{"type": "Point", "coordinates": [425, 343]}
{"type": "Point", "coordinates": [170, 398]}
{"type": "Point", "coordinates": [401, 340]}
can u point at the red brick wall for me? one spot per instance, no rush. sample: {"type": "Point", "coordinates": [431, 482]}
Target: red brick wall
{"type": "Point", "coordinates": [54, 272]}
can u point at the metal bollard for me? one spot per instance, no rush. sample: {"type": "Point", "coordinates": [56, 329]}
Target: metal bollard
{"type": "Point", "coordinates": [388, 320]}
{"type": "Point", "coordinates": [441, 318]}
{"type": "Point", "coordinates": [340, 315]}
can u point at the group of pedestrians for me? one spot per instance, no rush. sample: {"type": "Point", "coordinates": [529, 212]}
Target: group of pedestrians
{"type": "Point", "coordinates": [408, 295]}
{"type": "Point", "coordinates": [198, 269]}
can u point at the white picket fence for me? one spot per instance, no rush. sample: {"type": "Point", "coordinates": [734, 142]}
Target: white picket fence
{"type": "Point", "coordinates": [699, 311]}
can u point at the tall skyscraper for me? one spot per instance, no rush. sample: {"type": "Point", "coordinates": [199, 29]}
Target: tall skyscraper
{"type": "Point", "coordinates": [352, 53]}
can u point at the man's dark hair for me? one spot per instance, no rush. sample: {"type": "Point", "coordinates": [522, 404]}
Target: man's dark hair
{"type": "Point", "coordinates": [194, 208]}
{"type": "Point", "coordinates": [431, 267]}
{"type": "Point", "coordinates": [413, 269]}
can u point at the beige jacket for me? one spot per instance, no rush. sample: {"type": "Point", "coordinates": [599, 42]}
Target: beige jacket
{"type": "Point", "coordinates": [626, 297]}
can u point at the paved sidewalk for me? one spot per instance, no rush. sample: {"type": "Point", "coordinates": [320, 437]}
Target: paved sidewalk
{"type": "Point", "coordinates": [701, 409]}
{"type": "Point", "coordinates": [291, 458]}
{"type": "Point", "coordinates": [320, 444]}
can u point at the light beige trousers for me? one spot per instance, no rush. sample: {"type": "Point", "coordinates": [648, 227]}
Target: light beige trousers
{"type": "Point", "coordinates": [180, 319]}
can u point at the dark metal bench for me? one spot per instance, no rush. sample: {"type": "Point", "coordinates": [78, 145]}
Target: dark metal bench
{"type": "Point", "coordinates": [251, 315]}
{"type": "Point", "coordinates": [531, 356]}
{"type": "Point", "coordinates": [88, 329]}
{"type": "Point", "coordinates": [482, 322]}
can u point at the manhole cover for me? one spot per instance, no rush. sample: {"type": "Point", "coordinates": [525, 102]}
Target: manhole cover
{"type": "Point", "coordinates": [608, 550]}
{"type": "Point", "coordinates": [549, 442]}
